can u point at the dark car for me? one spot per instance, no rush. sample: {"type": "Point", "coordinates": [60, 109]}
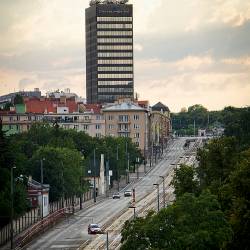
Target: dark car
{"type": "Point", "coordinates": [116, 196]}
{"type": "Point", "coordinates": [127, 193]}
{"type": "Point", "coordinates": [94, 229]}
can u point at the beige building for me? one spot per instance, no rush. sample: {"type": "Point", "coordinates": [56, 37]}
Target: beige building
{"type": "Point", "coordinates": [160, 127]}
{"type": "Point", "coordinates": [91, 123]}
{"type": "Point", "coordinates": [127, 119]}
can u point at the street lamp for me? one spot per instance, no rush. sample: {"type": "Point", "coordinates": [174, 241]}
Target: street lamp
{"type": "Point", "coordinates": [41, 172]}
{"type": "Point", "coordinates": [94, 177]}
{"type": "Point", "coordinates": [163, 183]}
{"type": "Point", "coordinates": [12, 207]}
{"type": "Point", "coordinates": [134, 210]}
{"type": "Point", "coordinates": [117, 168]}
{"type": "Point", "coordinates": [158, 196]}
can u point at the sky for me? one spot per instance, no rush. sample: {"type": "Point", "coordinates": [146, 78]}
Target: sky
{"type": "Point", "coordinates": [186, 52]}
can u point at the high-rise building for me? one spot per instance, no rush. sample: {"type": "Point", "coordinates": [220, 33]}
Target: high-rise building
{"type": "Point", "coordinates": [109, 51]}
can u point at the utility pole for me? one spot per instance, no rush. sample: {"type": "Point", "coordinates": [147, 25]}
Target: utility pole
{"type": "Point", "coordinates": [163, 186]}
{"type": "Point", "coordinates": [12, 208]}
{"type": "Point", "coordinates": [94, 177]}
{"type": "Point", "coordinates": [107, 241]}
{"type": "Point", "coordinates": [117, 168]}
{"type": "Point", "coordinates": [128, 168]}
{"type": "Point", "coordinates": [194, 127]}
{"type": "Point", "coordinates": [41, 172]}
{"type": "Point", "coordinates": [158, 197]}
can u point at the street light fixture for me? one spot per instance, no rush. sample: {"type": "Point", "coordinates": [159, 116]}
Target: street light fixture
{"type": "Point", "coordinates": [158, 196]}
{"type": "Point", "coordinates": [41, 172]}
{"type": "Point", "coordinates": [94, 177]}
{"type": "Point", "coordinates": [134, 210]}
{"type": "Point", "coordinates": [163, 183]}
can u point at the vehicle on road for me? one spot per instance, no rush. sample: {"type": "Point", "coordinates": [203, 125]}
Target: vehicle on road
{"type": "Point", "coordinates": [116, 196]}
{"type": "Point", "coordinates": [127, 193]}
{"type": "Point", "coordinates": [94, 229]}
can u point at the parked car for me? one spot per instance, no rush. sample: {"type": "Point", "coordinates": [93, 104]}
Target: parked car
{"type": "Point", "coordinates": [127, 193]}
{"type": "Point", "coordinates": [116, 196]}
{"type": "Point", "coordinates": [94, 229]}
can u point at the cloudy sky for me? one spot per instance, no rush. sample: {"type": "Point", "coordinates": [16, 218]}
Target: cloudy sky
{"type": "Point", "coordinates": [186, 51]}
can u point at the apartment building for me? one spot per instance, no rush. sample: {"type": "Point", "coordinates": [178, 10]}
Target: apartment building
{"type": "Point", "coordinates": [127, 119]}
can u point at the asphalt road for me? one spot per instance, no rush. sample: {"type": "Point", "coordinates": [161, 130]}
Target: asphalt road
{"type": "Point", "coordinates": [72, 233]}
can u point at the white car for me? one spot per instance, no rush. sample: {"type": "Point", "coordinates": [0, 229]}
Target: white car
{"type": "Point", "coordinates": [127, 193]}
{"type": "Point", "coordinates": [94, 229]}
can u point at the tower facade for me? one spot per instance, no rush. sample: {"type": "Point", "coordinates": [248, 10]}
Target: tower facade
{"type": "Point", "coordinates": [109, 51]}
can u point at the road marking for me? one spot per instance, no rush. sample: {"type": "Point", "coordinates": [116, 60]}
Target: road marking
{"type": "Point", "coordinates": [64, 246]}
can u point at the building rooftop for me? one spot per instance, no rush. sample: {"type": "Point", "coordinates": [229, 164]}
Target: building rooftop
{"type": "Point", "coordinates": [160, 107]}
{"type": "Point", "coordinates": [124, 106]}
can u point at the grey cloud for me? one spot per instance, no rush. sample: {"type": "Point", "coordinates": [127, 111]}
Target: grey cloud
{"type": "Point", "coordinates": [221, 41]}
{"type": "Point", "coordinates": [45, 59]}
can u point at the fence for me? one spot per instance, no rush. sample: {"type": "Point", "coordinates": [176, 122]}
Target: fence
{"type": "Point", "coordinates": [33, 216]}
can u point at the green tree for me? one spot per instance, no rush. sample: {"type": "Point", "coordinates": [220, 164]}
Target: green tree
{"type": "Point", "coordinates": [62, 168]}
{"type": "Point", "coordinates": [190, 223]}
{"type": "Point", "coordinates": [18, 99]}
{"type": "Point", "coordinates": [184, 180]}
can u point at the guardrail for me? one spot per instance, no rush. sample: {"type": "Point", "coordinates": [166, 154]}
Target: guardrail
{"type": "Point", "coordinates": [40, 226]}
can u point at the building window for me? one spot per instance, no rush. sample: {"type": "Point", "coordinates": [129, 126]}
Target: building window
{"type": "Point", "coordinates": [136, 126]}
{"type": "Point", "coordinates": [85, 127]}
{"type": "Point", "coordinates": [136, 117]}
{"type": "Point", "coordinates": [110, 117]}
{"type": "Point", "coordinates": [76, 127]}
{"type": "Point", "coordinates": [98, 135]}
{"type": "Point", "coordinates": [137, 135]}
{"type": "Point", "coordinates": [86, 118]}
{"type": "Point", "coordinates": [98, 117]}
{"type": "Point", "coordinates": [137, 144]}
{"type": "Point", "coordinates": [123, 118]}
{"type": "Point", "coordinates": [11, 118]}
{"type": "Point", "coordinates": [111, 126]}
{"type": "Point", "coordinates": [97, 126]}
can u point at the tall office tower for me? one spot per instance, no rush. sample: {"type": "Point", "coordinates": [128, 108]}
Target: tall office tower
{"type": "Point", "coordinates": [109, 51]}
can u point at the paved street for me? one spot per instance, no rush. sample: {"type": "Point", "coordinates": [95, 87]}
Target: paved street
{"type": "Point", "coordinates": [72, 233]}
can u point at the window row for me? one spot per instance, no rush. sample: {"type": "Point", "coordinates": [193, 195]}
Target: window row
{"type": "Point", "coordinates": [114, 47]}
{"type": "Point", "coordinates": [122, 126]}
{"type": "Point", "coordinates": [114, 40]}
{"type": "Point", "coordinates": [115, 76]}
{"type": "Point", "coordinates": [115, 68]}
{"type": "Point", "coordinates": [114, 33]}
{"type": "Point", "coordinates": [114, 19]}
{"type": "Point", "coordinates": [118, 61]}
{"type": "Point", "coordinates": [126, 118]}
{"type": "Point", "coordinates": [109, 83]}
{"type": "Point", "coordinates": [116, 90]}
{"type": "Point", "coordinates": [114, 26]}
{"type": "Point", "coordinates": [115, 54]}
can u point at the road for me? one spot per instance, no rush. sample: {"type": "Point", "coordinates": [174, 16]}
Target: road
{"type": "Point", "coordinates": [111, 214]}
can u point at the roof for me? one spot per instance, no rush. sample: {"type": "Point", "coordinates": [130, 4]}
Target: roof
{"type": "Point", "coordinates": [160, 107]}
{"type": "Point", "coordinates": [95, 108]}
{"type": "Point", "coordinates": [124, 106]}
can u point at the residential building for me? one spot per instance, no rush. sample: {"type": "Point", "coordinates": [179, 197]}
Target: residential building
{"type": "Point", "coordinates": [109, 51]}
{"type": "Point", "coordinates": [160, 127]}
{"type": "Point", "coordinates": [127, 119]}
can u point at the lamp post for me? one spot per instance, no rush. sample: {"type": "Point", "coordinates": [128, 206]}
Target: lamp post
{"type": "Point", "coordinates": [163, 186]}
{"type": "Point", "coordinates": [41, 172]}
{"type": "Point", "coordinates": [118, 174]}
{"type": "Point", "coordinates": [94, 177]}
{"type": "Point", "coordinates": [134, 210]}
{"type": "Point", "coordinates": [12, 207]}
{"type": "Point", "coordinates": [158, 196]}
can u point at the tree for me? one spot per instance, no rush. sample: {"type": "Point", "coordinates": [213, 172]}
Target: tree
{"type": "Point", "coordinates": [240, 210]}
{"type": "Point", "coordinates": [190, 223]}
{"type": "Point", "coordinates": [18, 99]}
{"type": "Point", "coordinates": [62, 168]}
{"type": "Point", "coordinates": [184, 181]}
